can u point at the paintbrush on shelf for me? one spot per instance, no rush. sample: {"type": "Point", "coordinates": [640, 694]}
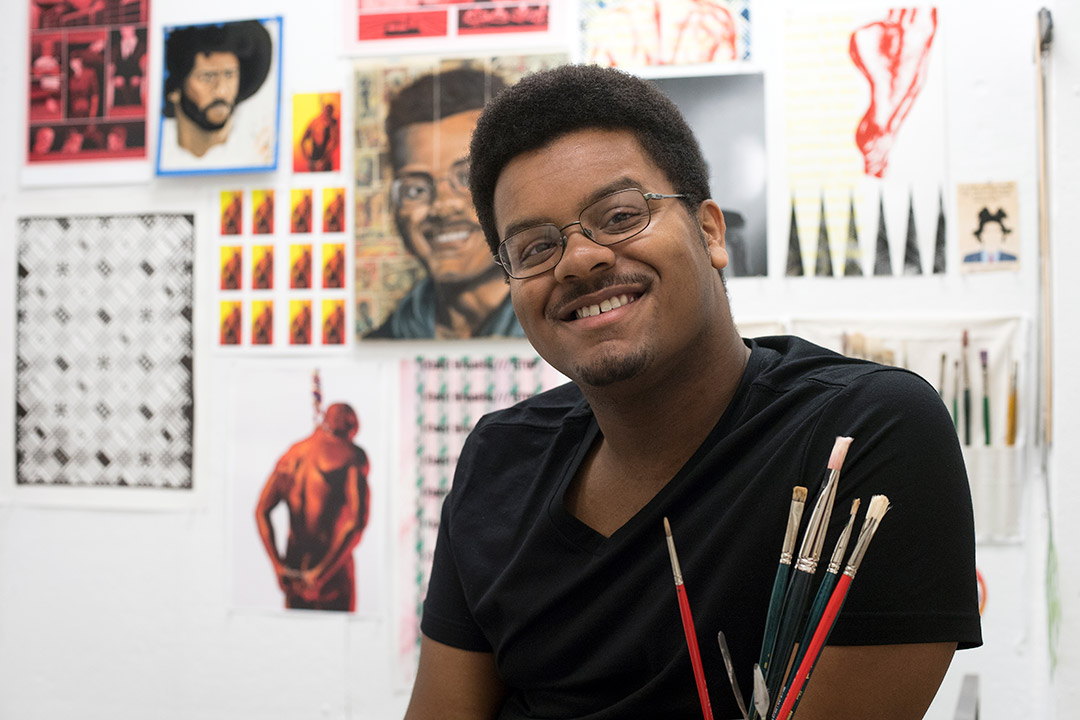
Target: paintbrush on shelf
{"type": "Point", "coordinates": [1010, 420]}
{"type": "Point", "coordinates": [984, 361]}
{"type": "Point", "coordinates": [967, 392]}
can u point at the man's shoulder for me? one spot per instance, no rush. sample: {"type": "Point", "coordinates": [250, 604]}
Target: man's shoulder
{"type": "Point", "coordinates": [550, 409]}
{"type": "Point", "coordinates": [787, 361]}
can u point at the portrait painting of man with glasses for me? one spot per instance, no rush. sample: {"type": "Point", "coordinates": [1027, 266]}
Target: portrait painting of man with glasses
{"type": "Point", "coordinates": [459, 290]}
{"type": "Point", "coordinates": [220, 105]}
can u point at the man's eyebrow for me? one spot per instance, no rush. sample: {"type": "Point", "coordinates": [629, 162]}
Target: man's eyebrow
{"type": "Point", "coordinates": [623, 183]}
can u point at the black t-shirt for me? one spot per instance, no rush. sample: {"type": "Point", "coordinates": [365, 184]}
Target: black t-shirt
{"type": "Point", "coordinates": [584, 626]}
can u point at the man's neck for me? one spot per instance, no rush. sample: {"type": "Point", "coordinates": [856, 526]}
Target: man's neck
{"type": "Point", "coordinates": [194, 139]}
{"type": "Point", "coordinates": [657, 422]}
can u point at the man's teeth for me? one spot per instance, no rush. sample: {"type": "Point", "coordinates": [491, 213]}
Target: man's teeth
{"type": "Point", "coordinates": [604, 306]}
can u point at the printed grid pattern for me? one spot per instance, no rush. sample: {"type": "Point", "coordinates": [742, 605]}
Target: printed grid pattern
{"type": "Point", "coordinates": [104, 343]}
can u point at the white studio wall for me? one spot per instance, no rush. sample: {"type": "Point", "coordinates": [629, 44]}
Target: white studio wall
{"type": "Point", "coordinates": [132, 602]}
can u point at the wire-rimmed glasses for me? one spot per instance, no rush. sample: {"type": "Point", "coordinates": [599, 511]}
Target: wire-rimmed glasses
{"type": "Point", "coordinates": [612, 219]}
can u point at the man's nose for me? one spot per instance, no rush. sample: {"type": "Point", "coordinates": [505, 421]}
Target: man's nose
{"type": "Point", "coordinates": [581, 255]}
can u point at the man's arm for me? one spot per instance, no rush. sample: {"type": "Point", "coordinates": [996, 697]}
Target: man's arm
{"type": "Point", "coordinates": [454, 684]}
{"type": "Point", "coordinates": [884, 682]}
{"type": "Point", "coordinates": [272, 493]}
{"type": "Point", "coordinates": [348, 528]}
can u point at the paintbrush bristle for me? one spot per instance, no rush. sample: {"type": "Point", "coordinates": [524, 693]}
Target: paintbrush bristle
{"type": "Point", "coordinates": [879, 505]}
{"type": "Point", "coordinates": [791, 533]}
{"type": "Point", "coordinates": [839, 452]}
{"type": "Point", "coordinates": [667, 527]}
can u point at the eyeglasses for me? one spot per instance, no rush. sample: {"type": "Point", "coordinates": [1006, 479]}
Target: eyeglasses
{"type": "Point", "coordinates": [611, 219]}
{"type": "Point", "coordinates": [420, 188]}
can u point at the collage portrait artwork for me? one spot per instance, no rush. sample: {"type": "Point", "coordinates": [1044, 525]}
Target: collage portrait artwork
{"type": "Point", "coordinates": [104, 389]}
{"type": "Point", "coordinates": [866, 169]}
{"type": "Point", "coordinates": [88, 85]}
{"type": "Point", "coordinates": [423, 267]}
{"type": "Point", "coordinates": [220, 97]}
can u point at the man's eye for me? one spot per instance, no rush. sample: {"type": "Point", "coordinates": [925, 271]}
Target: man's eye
{"type": "Point", "coordinates": [536, 250]}
{"type": "Point", "coordinates": [621, 219]}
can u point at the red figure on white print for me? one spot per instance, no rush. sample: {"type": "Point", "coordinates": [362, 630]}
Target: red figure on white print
{"type": "Point", "coordinates": [641, 32]}
{"type": "Point", "coordinates": [893, 54]}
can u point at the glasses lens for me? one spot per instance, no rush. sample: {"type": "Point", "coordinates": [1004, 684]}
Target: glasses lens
{"type": "Point", "coordinates": [531, 251]}
{"type": "Point", "coordinates": [616, 217]}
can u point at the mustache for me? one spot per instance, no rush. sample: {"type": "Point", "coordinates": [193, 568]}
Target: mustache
{"type": "Point", "coordinates": [216, 103]}
{"type": "Point", "coordinates": [580, 289]}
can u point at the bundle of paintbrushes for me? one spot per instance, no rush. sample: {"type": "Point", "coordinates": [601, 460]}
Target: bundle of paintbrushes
{"type": "Point", "coordinates": [776, 691]}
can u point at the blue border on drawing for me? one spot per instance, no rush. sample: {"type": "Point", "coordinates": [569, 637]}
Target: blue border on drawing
{"type": "Point", "coordinates": [277, 113]}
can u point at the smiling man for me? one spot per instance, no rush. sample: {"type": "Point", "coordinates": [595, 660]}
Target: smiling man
{"type": "Point", "coordinates": [464, 293]}
{"type": "Point", "coordinates": [551, 595]}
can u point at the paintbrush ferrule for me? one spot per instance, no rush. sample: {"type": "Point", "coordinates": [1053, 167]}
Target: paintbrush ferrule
{"type": "Point", "coordinates": [807, 565]}
{"type": "Point", "coordinates": [675, 569]}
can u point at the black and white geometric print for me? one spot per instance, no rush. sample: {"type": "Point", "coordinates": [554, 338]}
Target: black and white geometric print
{"type": "Point", "coordinates": [104, 351]}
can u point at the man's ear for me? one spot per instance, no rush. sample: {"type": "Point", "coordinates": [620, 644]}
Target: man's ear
{"type": "Point", "coordinates": [173, 96]}
{"type": "Point", "coordinates": [711, 220]}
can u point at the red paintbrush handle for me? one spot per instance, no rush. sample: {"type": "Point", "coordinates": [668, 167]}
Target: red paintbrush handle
{"type": "Point", "coordinates": [813, 650]}
{"type": "Point", "coordinates": [695, 653]}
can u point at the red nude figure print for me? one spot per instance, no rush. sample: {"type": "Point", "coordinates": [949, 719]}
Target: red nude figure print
{"type": "Point", "coordinates": [893, 54]}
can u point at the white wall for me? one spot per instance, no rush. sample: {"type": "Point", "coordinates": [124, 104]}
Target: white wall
{"type": "Point", "coordinates": [123, 614]}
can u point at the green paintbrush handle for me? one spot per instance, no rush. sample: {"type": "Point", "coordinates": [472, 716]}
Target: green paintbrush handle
{"type": "Point", "coordinates": [791, 625]}
{"type": "Point", "coordinates": [986, 418]}
{"type": "Point", "coordinates": [967, 416]}
{"type": "Point", "coordinates": [772, 620]}
{"type": "Point", "coordinates": [816, 611]}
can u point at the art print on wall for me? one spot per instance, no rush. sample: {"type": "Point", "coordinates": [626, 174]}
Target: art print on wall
{"type": "Point", "coordinates": [987, 226]}
{"type": "Point", "coordinates": [397, 22]}
{"type": "Point", "coordinates": [87, 81]}
{"type": "Point", "coordinates": [309, 481]}
{"type": "Point", "coordinates": [423, 267]}
{"type": "Point", "coordinates": [735, 158]}
{"type": "Point", "coordinates": [220, 99]}
{"type": "Point", "coordinates": [287, 290]}
{"type": "Point", "coordinates": [640, 33]}
{"type": "Point", "coordinates": [316, 138]}
{"type": "Point", "coordinates": [441, 400]}
{"type": "Point", "coordinates": [866, 162]}
{"type": "Point", "coordinates": [104, 393]}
